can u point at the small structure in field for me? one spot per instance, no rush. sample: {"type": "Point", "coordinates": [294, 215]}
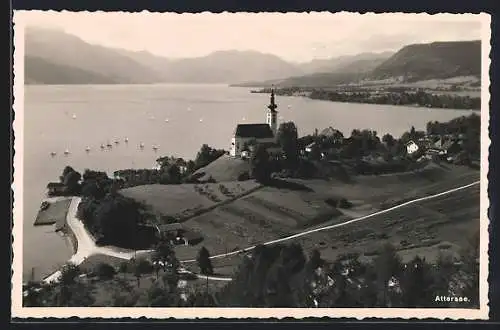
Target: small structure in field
{"type": "Point", "coordinates": [56, 188]}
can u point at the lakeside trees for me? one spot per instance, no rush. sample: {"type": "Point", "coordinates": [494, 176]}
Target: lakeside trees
{"type": "Point", "coordinates": [390, 96]}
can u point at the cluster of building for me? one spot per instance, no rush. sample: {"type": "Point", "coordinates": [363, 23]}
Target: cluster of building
{"type": "Point", "coordinates": [447, 147]}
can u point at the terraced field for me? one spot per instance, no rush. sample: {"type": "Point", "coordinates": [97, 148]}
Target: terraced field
{"type": "Point", "coordinates": [441, 224]}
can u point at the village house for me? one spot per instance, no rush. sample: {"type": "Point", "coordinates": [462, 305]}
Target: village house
{"type": "Point", "coordinates": [248, 135]}
{"type": "Point", "coordinates": [178, 235]}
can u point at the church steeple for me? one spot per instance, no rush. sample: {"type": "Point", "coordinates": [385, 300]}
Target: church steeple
{"type": "Point", "coordinates": [272, 114]}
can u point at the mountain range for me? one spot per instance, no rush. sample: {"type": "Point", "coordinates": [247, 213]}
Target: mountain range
{"type": "Point", "coordinates": [56, 57]}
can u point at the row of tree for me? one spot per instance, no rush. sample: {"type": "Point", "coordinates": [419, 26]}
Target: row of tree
{"type": "Point", "coordinates": [282, 276]}
{"type": "Point", "coordinates": [420, 98]}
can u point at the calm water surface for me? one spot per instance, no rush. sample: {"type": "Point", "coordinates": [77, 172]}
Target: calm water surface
{"type": "Point", "coordinates": [177, 118]}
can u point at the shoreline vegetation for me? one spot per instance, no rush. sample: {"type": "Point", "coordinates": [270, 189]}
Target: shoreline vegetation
{"type": "Point", "coordinates": [386, 95]}
{"type": "Point", "coordinates": [115, 220]}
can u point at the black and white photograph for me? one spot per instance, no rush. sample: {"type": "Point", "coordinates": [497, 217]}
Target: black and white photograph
{"type": "Point", "coordinates": [250, 165]}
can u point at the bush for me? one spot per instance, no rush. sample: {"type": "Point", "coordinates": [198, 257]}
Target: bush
{"type": "Point", "coordinates": [344, 204]}
{"type": "Point", "coordinates": [124, 267]}
{"type": "Point", "coordinates": [244, 176]}
{"type": "Point", "coordinates": [143, 266]}
{"type": "Point", "coordinates": [105, 271]}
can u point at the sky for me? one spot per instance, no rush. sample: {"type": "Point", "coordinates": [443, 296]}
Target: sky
{"type": "Point", "coordinates": [296, 37]}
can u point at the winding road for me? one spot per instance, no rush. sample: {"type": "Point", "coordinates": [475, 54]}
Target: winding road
{"type": "Point", "coordinates": [87, 246]}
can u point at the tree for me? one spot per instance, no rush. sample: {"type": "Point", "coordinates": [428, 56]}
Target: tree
{"type": "Point", "coordinates": [287, 137]}
{"type": "Point", "coordinates": [389, 140]}
{"type": "Point", "coordinates": [387, 265]}
{"type": "Point", "coordinates": [69, 272]}
{"type": "Point", "coordinates": [417, 284]}
{"type": "Point", "coordinates": [260, 164]}
{"type": "Point", "coordinates": [105, 271]}
{"type": "Point", "coordinates": [315, 259]}
{"type": "Point", "coordinates": [174, 174]}
{"type": "Point", "coordinates": [204, 262]}
{"type": "Point", "coordinates": [206, 155]}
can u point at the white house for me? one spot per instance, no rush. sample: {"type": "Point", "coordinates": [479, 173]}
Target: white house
{"type": "Point", "coordinates": [411, 147]}
{"type": "Point", "coordinates": [263, 134]}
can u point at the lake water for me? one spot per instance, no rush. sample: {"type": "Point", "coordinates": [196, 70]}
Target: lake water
{"type": "Point", "coordinates": [74, 117]}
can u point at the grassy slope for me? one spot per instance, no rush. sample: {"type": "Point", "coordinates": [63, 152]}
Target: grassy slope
{"type": "Point", "coordinates": [182, 201]}
{"type": "Point", "coordinates": [271, 213]}
{"type": "Point", "coordinates": [224, 168]}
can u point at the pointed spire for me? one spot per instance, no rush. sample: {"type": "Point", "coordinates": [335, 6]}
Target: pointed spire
{"type": "Point", "coordinates": [272, 106]}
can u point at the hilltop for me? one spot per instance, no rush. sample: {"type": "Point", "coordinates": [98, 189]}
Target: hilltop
{"type": "Point", "coordinates": [84, 62]}
{"type": "Point", "coordinates": [417, 62]}
{"type": "Point", "coordinates": [91, 63]}
{"type": "Point", "coordinates": [41, 71]}
{"type": "Point", "coordinates": [437, 60]}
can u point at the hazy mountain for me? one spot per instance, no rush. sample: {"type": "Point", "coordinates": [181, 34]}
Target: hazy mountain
{"type": "Point", "coordinates": [65, 50]}
{"type": "Point", "coordinates": [349, 68]}
{"type": "Point", "coordinates": [432, 61]}
{"type": "Point", "coordinates": [122, 66]}
{"type": "Point", "coordinates": [230, 67]}
{"type": "Point", "coordinates": [40, 71]}
{"type": "Point", "coordinates": [218, 67]}
{"type": "Point", "coordinates": [416, 62]}
{"type": "Point", "coordinates": [341, 63]}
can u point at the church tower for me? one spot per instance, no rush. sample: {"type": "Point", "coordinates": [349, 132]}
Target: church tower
{"type": "Point", "coordinates": [272, 114]}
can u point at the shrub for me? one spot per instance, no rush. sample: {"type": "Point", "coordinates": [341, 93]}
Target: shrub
{"type": "Point", "coordinates": [105, 271]}
{"type": "Point", "coordinates": [124, 267]}
{"type": "Point", "coordinates": [244, 176]}
{"type": "Point", "coordinates": [344, 204]}
{"type": "Point", "coordinates": [143, 266]}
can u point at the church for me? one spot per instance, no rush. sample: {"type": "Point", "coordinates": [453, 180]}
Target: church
{"type": "Point", "coordinates": [264, 134]}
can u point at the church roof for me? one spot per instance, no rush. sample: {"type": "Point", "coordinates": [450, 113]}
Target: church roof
{"type": "Point", "coordinates": [258, 131]}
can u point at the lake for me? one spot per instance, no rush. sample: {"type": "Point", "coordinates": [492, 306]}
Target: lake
{"type": "Point", "coordinates": [176, 118]}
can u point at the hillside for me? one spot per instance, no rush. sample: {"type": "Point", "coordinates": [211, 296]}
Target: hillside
{"type": "Point", "coordinates": [123, 66]}
{"type": "Point", "coordinates": [40, 71]}
{"type": "Point", "coordinates": [328, 72]}
{"type": "Point", "coordinates": [85, 62]}
{"type": "Point", "coordinates": [436, 60]}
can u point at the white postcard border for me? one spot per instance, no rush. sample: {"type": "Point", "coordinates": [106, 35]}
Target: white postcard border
{"type": "Point", "coordinates": [18, 311]}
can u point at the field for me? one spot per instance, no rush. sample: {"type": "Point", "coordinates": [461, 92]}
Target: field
{"type": "Point", "coordinates": [441, 224]}
{"type": "Point", "coordinates": [180, 202]}
{"type": "Point", "coordinates": [55, 213]}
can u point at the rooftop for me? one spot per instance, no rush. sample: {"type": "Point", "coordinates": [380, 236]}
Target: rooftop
{"type": "Point", "coordinates": [258, 131]}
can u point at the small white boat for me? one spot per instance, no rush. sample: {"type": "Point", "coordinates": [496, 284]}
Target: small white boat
{"type": "Point", "coordinates": [87, 149]}
{"type": "Point", "coordinates": [244, 119]}
{"type": "Point", "coordinates": [117, 142]}
{"type": "Point", "coordinates": [109, 145]}
{"type": "Point", "coordinates": [166, 120]}
{"type": "Point", "coordinates": [201, 120]}
{"type": "Point", "coordinates": [155, 148]}
{"type": "Point", "coordinates": [74, 116]}
{"type": "Point", "coordinates": [141, 145]}
{"type": "Point", "coordinates": [126, 140]}
{"type": "Point", "coordinates": [53, 153]}
{"type": "Point", "coordinates": [66, 152]}
{"type": "Point", "coordinates": [289, 106]}
{"type": "Point", "coordinates": [102, 146]}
